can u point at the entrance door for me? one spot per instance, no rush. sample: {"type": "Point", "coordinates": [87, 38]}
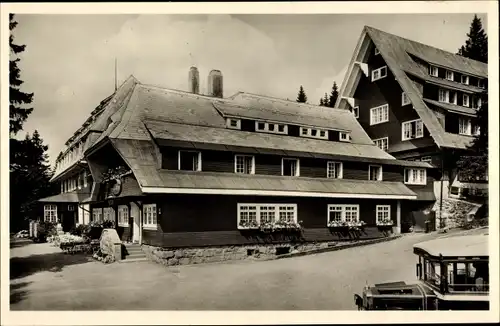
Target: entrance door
{"type": "Point", "coordinates": [135, 213]}
{"type": "Point", "coordinates": [68, 220]}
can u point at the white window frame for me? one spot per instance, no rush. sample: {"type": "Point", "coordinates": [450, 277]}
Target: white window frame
{"type": "Point", "coordinates": [276, 129]}
{"type": "Point", "coordinates": [376, 51]}
{"type": "Point", "coordinates": [426, 159]}
{"type": "Point", "coordinates": [468, 126]}
{"type": "Point", "coordinates": [355, 111]}
{"type": "Point", "coordinates": [417, 135]}
{"type": "Point", "coordinates": [416, 176]}
{"type": "Point", "coordinates": [71, 208]}
{"type": "Point", "coordinates": [97, 215]}
{"type": "Point", "coordinates": [263, 209]}
{"type": "Point", "coordinates": [123, 215]}
{"type": "Point", "coordinates": [446, 95]}
{"type": "Point", "coordinates": [381, 211]}
{"type": "Point", "coordinates": [466, 79]}
{"type": "Point", "coordinates": [450, 75]}
{"type": "Point", "coordinates": [466, 100]}
{"type": "Point", "coordinates": [108, 214]}
{"type": "Point", "coordinates": [379, 142]}
{"type": "Point", "coordinates": [476, 130]}
{"type": "Point", "coordinates": [380, 176]}
{"type": "Point", "coordinates": [405, 100]}
{"type": "Point", "coordinates": [188, 151]}
{"type": "Point", "coordinates": [344, 136]}
{"type": "Point", "coordinates": [85, 179]}
{"type": "Point", "coordinates": [297, 165]}
{"type": "Point", "coordinates": [433, 71]}
{"type": "Point", "coordinates": [384, 115]}
{"type": "Point", "coordinates": [343, 209]}
{"type": "Point", "coordinates": [334, 170]}
{"type": "Point", "coordinates": [481, 83]}
{"type": "Point", "coordinates": [308, 132]}
{"type": "Point", "coordinates": [382, 73]}
{"type": "Point", "coordinates": [50, 213]}
{"type": "Point", "coordinates": [252, 167]}
{"type": "Point", "coordinates": [230, 126]}
{"type": "Point", "coordinates": [150, 216]}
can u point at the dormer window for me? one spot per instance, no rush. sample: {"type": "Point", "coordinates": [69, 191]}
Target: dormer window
{"type": "Point", "coordinates": [290, 167]}
{"type": "Point", "coordinates": [189, 161]}
{"type": "Point", "coordinates": [355, 111]}
{"type": "Point", "coordinates": [274, 128]}
{"type": "Point", "coordinates": [465, 101]}
{"type": "Point", "coordinates": [375, 172]}
{"type": "Point", "coordinates": [464, 126]}
{"type": "Point", "coordinates": [433, 71]}
{"type": "Point", "coordinates": [405, 100]}
{"type": "Point", "coordinates": [344, 136]}
{"type": "Point", "coordinates": [379, 73]}
{"type": "Point", "coordinates": [449, 75]}
{"type": "Point", "coordinates": [313, 133]}
{"type": "Point", "coordinates": [233, 123]}
{"type": "Point", "coordinates": [444, 95]}
{"type": "Point", "coordinates": [481, 83]}
{"type": "Point", "coordinates": [465, 79]}
{"type": "Point", "coordinates": [376, 51]}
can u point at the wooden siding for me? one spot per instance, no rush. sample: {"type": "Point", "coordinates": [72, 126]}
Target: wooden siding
{"type": "Point", "coordinates": [220, 161]}
{"type": "Point", "coordinates": [213, 220]}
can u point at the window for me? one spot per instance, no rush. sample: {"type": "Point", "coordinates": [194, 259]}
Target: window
{"type": "Point", "coordinates": [466, 100]}
{"type": "Point", "coordinates": [412, 129]}
{"type": "Point", "coordinates": [464, 126]}
{"type": "Point", "coordinates": [382, 143]}
{"type": "Point", "coordinates": [383, 213]}
{"type": "Point", "coordinates": [109, 214]}
{"type": "Point", "coordinates": [290, 167]}
{"type": "Point", "coordinates": [71, 208]}
{"type": "Point", "coordinates": [355, 111]}
{"type": "Point", "coordinates": [476, 102]}
{"type": "Point", "coordinates": [453, 97]}
{"type": "Point", "coordinates": [313, 133]}
{"type": "Point", "coordinates": [444, 95]}
{"type": "Point", "coordinates": [481, 83]}
{"type": "Point", "coordinates": [123, 215]}
{"type": "Point", "coordinates": [377, 52]}
{"type": "Point", "coordinates": [233, 123]}
{"type": "Point", "coordinates": [465, 80]}
{"type": "Point", "coordinates": [405, 100]}
{"type": "Point", "coordinates": [97, 214]}
{"type": "Point", "coordinates": [476, 130]}
{"type": "Point", "coordinates": [344, 136]}
{"type": "Point", "coordinates": [416, 176]}
{"type": "Point", "coordinates": [189, 161]}
{"type": "Point", "coordinates": [50, 213]}
{"type": "Point", "coordinates": [334, 170]}
{"type": "Point", "coordinates": [433, 71]}
{"type": "Point", "coordinates": [379, 114]}
{"type": "Point", "coordinates": [271, 127]}
{"type": "Point", "coordinates": [449, 75]}
{"type": "Point", "coordinates": [254, 215]}
{"type": "Point", "coordinates": [244, 164]}
{"type": "Point", "coordinates": [343, 213]}
{"type": "Point", "coordinates": [149, 216]}
{"type": "Point", "coordinates": [379, 73]}
{"type": "Point", "coordinates": [85, 178]}
{"type": "Point", "coordinates": [426, 159]}
{"type": "Point", "coordinates": [375, 172]}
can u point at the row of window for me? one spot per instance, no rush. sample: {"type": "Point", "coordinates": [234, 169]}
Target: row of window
{"type": "Point", "coordinates": [277, 128]}
{"type": "Point", "coordinates": [74, 183]}
{"type": "Point", "coordinates": [108, 214]}
{"type": "Point", "coordinates": [465, 127]}
{"type": "Point", "coordinates": [450, 75]}
{"type": "Point", "coordinates": [245, 164]}
{"type": "Point", "coordinates": [253, 215]}
{"type": "Point", "coordinates": [71, 156]}
{"type": "Point", "coordinates": [449, 96]}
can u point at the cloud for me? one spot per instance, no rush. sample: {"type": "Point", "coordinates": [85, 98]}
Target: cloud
{"type": "Point", "coordinates": [326, 85]}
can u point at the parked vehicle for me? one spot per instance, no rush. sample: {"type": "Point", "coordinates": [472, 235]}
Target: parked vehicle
{"type": "Point", "coordinates": [452, 273]}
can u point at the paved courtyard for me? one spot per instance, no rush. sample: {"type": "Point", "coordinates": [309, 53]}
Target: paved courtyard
{"type": "Point", "coordinates": [42, 278]}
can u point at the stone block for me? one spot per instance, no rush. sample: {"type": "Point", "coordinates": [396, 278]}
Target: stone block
{"type": "Point", "coordinates": [172, 262]}
{"type": "Point", "coordinates": [208, 253]}
{"type": "Point", "coordinates": [179, 253]}
{"type": "Point", "coordinates": [168, 254]}
{"type": "Point", "coordinates": [184, 261]}
{"type": "Point", "coordinates": [199, 253]}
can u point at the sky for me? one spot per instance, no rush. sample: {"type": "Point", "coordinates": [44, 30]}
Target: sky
{"type": "Point", "coordinates": [69, 59]}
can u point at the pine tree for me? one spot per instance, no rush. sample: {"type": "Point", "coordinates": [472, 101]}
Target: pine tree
{"type": "Point", "coordinates": [18, 113]}
{"type": "Point", "coordinates": [325, 100]}
{"type": "Point", "coordinates": [476, 46]}
{"type": "Point", "coordinates": [301, 97]}
{"type": "Point", "coordinates": [321, 102]}
{"type": "Point", "coordinates": [334, 95]}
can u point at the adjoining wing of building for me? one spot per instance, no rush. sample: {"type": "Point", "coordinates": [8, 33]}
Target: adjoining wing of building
{"type": "Point", "coordinates": [415, 101]}
{"type": "Point", "coordinates": [196, 170]}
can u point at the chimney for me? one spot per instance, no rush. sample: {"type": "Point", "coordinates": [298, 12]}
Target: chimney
{"type": "Point", "coordinates": [194, 80]}
{"type": "Point", "coordinates": [215, 86]}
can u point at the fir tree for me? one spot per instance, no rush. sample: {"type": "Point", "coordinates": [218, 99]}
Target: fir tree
{"type": "Point", "coordinates": [334, 95]}
{"type": "Point", "coordinates": [325, 100]}
{"type": "Point", "coordinates": [321, 102]}
{"type": "Point", "coordinates": [476, 46]}
{"type": "Point", "coordinates": [18, 113]}
{"type": "Point", "coordinates": [301, 97]}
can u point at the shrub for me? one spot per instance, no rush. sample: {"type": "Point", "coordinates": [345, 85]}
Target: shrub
{"type": "Point", "coordinates": [80, 230]}
{"type": "Point", "coordinates": [45, 230]}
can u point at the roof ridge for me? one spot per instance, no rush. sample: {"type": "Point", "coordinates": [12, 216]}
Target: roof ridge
{"type": "Point", "coordinates": [426, 45]}
{"type": "Point", "coordinates": [181, 92]}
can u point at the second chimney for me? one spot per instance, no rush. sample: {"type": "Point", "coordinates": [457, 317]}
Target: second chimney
{"type": "Point", "coordinates": [215, 85]}
{"type": "Point", "coordinates": [194, 80]}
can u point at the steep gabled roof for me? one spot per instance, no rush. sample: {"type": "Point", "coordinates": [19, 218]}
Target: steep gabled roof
{"type": "Point", "coordinates": [396, 51]}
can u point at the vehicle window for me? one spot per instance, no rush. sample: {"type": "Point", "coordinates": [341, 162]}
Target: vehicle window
{"type": "Point", "coordinates": [468, 276]}
{"type": "Point", "coordinates": [433, 272]}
